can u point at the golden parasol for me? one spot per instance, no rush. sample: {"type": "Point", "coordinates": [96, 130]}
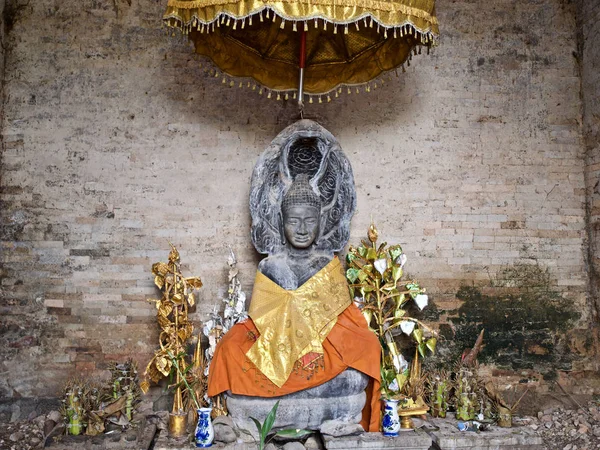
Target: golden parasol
{"type": "Point", "coordinates": [334, 43]}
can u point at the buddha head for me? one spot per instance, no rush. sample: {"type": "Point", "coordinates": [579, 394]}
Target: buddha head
{"type": "Point", "coordinates": [301, 211]}
{"type": "Point", "coordinates": [302, 192]}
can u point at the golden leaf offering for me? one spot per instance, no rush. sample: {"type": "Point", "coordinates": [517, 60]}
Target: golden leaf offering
{"type": "Point", "coordinates": [160, 268]}
{"type": "Point", "coordinates": [163, 365]}
{"type": "Point", "coordinates": [172, 318]}
{"type": "Point", "coordinates": [173, 255]}
{"type": "Point", "coordinates": [195, 282]}
{"type": "Point", "coordinates": [144, 386]}
{"type": "Point", "coordinates": [191, 300]}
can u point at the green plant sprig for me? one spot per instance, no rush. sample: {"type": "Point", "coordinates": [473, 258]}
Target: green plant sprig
{"type": "Point", "coordinates": [265, 428]}
{"type": "Point", "coordinates": [375, 276]}
{"type": "Point", "coordinates": [175, 362]}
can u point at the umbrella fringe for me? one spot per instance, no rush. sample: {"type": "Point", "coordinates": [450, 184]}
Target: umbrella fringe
{"type": "Point", "coordinates": [425, 36]}
{"type": "Point", "coordinates": [293, 94]}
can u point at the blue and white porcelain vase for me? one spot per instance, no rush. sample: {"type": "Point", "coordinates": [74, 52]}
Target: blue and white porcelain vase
{"type": "Point", "coordinates": [205, 433]}
{"type": "Point", "coordinates": [391, 421]}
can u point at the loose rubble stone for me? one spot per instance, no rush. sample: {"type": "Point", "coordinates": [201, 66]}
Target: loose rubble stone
{"type": "Point", "coordinates": [17, 436]}
{"type": "Point", "coordinates": [336, 428]}
{"type": "Point", "coordinates": [224, 429]}
{"type": "Point", "coordinates": [54, 416]}
{"type": "Point", "coordinates": [293, 446]}
{"type": "Point", "coordinates": [312, 443]}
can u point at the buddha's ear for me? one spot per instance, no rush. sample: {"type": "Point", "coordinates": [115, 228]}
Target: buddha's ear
{"type": "Point", "coordinates": [281, 227]}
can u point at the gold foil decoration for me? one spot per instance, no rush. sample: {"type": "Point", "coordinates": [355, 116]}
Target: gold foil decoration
{"type": "Point", "coordinates": [294, 323]}
{"type": "Point", "coordinates": [176, 329]}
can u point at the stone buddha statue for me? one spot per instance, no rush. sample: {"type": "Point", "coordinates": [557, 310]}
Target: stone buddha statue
{"type": "Point", "coordinates": [305, 344]}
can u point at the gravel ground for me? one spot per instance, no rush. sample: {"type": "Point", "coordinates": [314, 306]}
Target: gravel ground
{"type": "Point", "coordinates": [560, 428]}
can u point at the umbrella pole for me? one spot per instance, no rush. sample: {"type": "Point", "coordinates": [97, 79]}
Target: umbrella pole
{"type": "Point", "coordinates": [301, 66]}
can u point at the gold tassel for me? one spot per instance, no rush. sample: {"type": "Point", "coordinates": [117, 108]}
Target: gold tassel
{"type": "Point", "coordinates": [234, 24]}
{"type": "Point", "coordinates": [260, 91]}
{"type": "Point", "coordinates": [305, 26]}
{"type": "Point", "coordinates": [328, 99]}
{"type": "Point", "coordinates": [356, 24]}
{"type": "Point", "coordinates": [282, 26]}
{"type": "Point", "coordinates": [316, 25]}
{"type": "Point", "coordinates": [346, 29]}
{"type": "Point", "coordinates": [294, 96]}
{"type": "Point", "coordinates": [385, 34]}
{"type": "Point", "coordinates": [320, 99]}
{"type": "Point", "coordinates": [294, 28]}
{"type": "Point", "coordinates": [261, 16]}
{"type": "Point", "coordinates": [224, 80]}
{"type": "Point", "coordinates": [243, 24]}
{"type": "Point", "coordinates": [250, 21]}
{"type": "Point", "coordinates": [310, 101]}
{"type": "Point", "coordinates": [278, 97]}
{"type": "Point", "coordinates": [267, 13]}
{"type": "Point", "coordinates": [269, 94]}
{"type": "Point", "coordinates": [287, 96]}
{"type": "Point", "coordinates": [334, 29]}
{"type": "Point", "coordinates": [228, 21]}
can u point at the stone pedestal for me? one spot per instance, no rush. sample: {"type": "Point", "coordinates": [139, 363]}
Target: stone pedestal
{"type": "Point", "coordinates": [407, 440]}
{"type": "Point", "coordinates": [448, 437]}
{"type": "Point", "coordinates": [341, 399]}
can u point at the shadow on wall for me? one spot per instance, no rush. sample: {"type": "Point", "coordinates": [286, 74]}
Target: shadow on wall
{"type": "Point", "coordinates": [527, 323]}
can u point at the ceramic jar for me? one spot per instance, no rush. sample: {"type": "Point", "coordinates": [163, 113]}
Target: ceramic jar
{"type": "Point", "coordinates": [205, 433]}
{"type": "Point", "coordinates": [391, 421]}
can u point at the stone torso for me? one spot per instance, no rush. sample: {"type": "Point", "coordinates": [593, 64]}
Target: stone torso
{"type": "Point", "coordinates": [292, 272]}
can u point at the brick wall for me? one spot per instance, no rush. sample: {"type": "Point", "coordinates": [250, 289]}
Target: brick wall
{"type": "Point", "coordinates": [117, 141]}
{"type": "Point", "coordinates": [590, 82]}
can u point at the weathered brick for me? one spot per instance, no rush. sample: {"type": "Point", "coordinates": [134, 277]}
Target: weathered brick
{"type": "Point", "coordinates": [479, 166]}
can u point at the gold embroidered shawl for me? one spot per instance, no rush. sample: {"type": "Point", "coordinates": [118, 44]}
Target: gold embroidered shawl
{"type": "Point", "coordinates": [294, 323]}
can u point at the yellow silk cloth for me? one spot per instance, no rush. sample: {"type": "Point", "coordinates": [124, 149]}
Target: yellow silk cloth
{"type": "Point", "coordinates": [294, 323]}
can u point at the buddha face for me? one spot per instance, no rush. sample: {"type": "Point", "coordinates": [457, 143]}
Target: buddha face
{"type": "Point", "coordinates": [301, 225]}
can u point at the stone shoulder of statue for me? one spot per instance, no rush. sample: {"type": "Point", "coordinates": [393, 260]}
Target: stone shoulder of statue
{"type": "Point", "coordinates": [289, 273]}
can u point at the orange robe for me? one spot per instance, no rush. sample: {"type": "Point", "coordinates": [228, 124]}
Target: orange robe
{"type": "Point", "coordinates": [350, 343]}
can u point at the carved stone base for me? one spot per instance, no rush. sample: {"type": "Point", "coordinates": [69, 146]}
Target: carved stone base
{"type": "Point", "coordinates": [341, 399]}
